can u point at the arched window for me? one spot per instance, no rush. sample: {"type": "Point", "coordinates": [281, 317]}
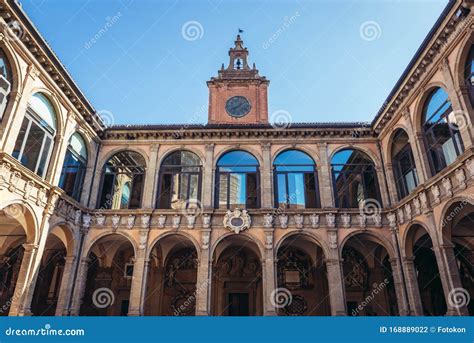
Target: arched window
{"type": "Point", "coordinates": [354, 178]}
{"type": "Point", "coordinates": [122, 181]}
{"type": "Point", "coordinates": [296, 184]}
{"type": "Point", "coordinates": [237, 181]}
{"type": "Point", "coordinates": [403, 164]}
{"type": "Point", "coordinates": [5, 82]}
{"type": "Point", "coordinates": [179, 181]}
{"type": "Point", "coordinates": [74, 167]}
{"type": "Point", "coordinates": [469, 74]}
{"type": "Point", "coordinates": [442, 136]}
{"type": "Point", "coordinates": [35, 140]}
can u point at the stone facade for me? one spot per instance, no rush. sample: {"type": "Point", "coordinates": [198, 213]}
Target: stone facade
{"type": "Point", "coordinates": [268, 260]}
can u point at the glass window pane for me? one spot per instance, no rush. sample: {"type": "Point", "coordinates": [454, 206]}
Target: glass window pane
{"type": "Point", "coordinates": [310, 191]}
{"type": "Point", "coordinates": [136, 196]}
{"type": "Point", "coordinates": [175, 201]}
{"type": "Point", "coordinates": [107, 190]}
{"type": "Point", "coordinates": [294, 157]}
{"type": "Point", "coordinates": [44, 157]}
{"type": "Point", "coordinates": [252, 191]}
{"type": "Point", "coordinates": [20, 138]}
{"type": "Point", "coordinates": [42, 107]}
{"type": "Point", "coordinates": [193, 186]}
{"type": "Point", "coordinates": [296, 190]}
{"type": "Point", "coordinates": [223, 190]}
{"type": "Point", "coordinates": [164, 199]}
{"type": "Point", "coordinates": [237, 190]}
{"type": "Point", "coordinates": [32, 150]}
{"type": "Point", "coordinates": [282, 196]}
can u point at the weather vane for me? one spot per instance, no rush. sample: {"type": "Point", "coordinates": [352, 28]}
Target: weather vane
{"type": "Point", "coordinates": [240, 30]}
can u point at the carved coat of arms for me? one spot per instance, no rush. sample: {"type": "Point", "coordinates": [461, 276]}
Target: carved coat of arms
{"type": "Point", "coordinates": [237, 220]}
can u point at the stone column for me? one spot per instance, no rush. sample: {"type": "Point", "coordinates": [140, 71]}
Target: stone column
{"type": "Point", "coordinates": [399, 287]}
{"type": "Point", "coordinates": [413, 292]}
{"type": "Point", "coordinates": [207, 189]}
{"type": "Point", "coordinates": [22, 285]}
{"type": "Point", "coordinates": [269, 276]}
{"type": "Point", "coordinates": [80, 287]}
{"type": "Point", "coordinates": [418, 149]}
{"type": "Point", "coordinates": [382, 186]}
{"type": "Point", "coordinates": [337, 292]}
{"type": "Point", "coordinates": [326, 193]}
{"type": "Point", "coordinates": [204, 277]}
{"type": "Point", "coordinates": [139, 278]}
{"type": "Point", "coordinates": [397, 273]}
{"type": "Point", "coordinates": [266, 191]}
{"type": "Point", "coordinates": [391, 183]}
{"type": "Point", "coordinates": [450, 279]}
{"type": "Point", "coordinates": [149, 193]}
{"type": "Point", "coordinates": [66, 286]}
{"type": "Point", "coordinates": [11, 122]}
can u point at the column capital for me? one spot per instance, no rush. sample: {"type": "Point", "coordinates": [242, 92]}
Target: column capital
{"type": "Point", "coordinates": [30, 247]}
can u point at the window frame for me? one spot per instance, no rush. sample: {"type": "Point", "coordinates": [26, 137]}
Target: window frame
{"type": "Point", "coordinates": [400, 181]}
{"type": "Point", "coordinates": [428, 130]}
{"type": "Point", "coordinates": [366, 167]}
{"type": "Point", "coordinates": [115, 174]}
{"type": "Point", "coordinates": [228, 173]}
{"type": "Point", "coordinates": [33, 118]}
{"type": "Point", "coordinates": [276, 173]}
{"type": "Point", "coordinates": [171, 170]}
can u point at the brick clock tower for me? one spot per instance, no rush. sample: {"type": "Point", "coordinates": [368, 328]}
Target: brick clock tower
{"type": "Point", "coordinates": [238, 95]}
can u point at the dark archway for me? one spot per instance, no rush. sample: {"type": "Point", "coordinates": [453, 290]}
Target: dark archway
{"type": "Point", "coordinates": [302, 271]}
{"type": "Point", "coordinates": [109, 277]}
{"type": "Point", "coordinates": [237, 278]}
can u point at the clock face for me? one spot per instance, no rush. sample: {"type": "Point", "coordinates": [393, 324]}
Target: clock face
{"type": "Point", "coordinates": [237, 106]}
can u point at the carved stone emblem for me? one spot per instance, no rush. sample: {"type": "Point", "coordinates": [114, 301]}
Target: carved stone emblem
{"type": "Point", "coordinates": [331, 220]}
{"type": "Point", "coordinates": [161, 221]}
{"type": "Point", "coordinates": [346, 220]}
{"type": "Point", "coordinates": [237, 220]}
{"type": "Point", "coordinates": [176, 221]}
{"type": "Point", "coordinates": [268, 220]}
{"type": "Point", "coordinates": [299, 220]}
{"type": "Point", "coordinates": [206, 221]}
{"type": "Point", "coordinates": [115, 221]}
{"type": "Point", "coordinates": [283, 221]}
{"type": "Point", "coordinates": [130, 221]}
{"type": "Point", "coordinates": [314, 218]}
{"type": "Point", "coordinates": [332, 238]}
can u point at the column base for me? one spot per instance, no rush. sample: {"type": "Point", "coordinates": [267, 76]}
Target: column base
{"type": "Point", "coordinates": [202, 313]}
{"type": "Point", "coordinates": [134, 312]}
{"type": "Point", "coordinates": [341, 313]}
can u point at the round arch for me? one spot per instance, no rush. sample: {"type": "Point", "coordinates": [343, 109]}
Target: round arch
{"type": "Point", "coordinates": [388, 149]}
{"type": "Point", "coordinates": [409, 237]}
{"type": "Point", "coordinates": [372, 237]}
{"type": "Point", "coordinates": [312, 237]}
{"type": "Point", "coordinates": [313, 155]}
{"type": "Point", "coordinates": [421, 101]}
{"type": "Point", "coordinates": [25, 215]}
{"type": "Point", "coordinates": [446, 226]}
{"type": "Point", "coordinates": [243, 235]}
{"type": "Point", "coordinates": [87, 247]}
{"type": "Point", "coordinates": [461, 58]}
{"type": "Point", "coordinates": [105, 158]}
{"type": "Point", "coordinates": [53, 99]}
{"type": "Point", "coordinates": [65, 233]}
{"type": "Point", "coordinates": [176, 149]}
{"type": "Point", "coordinates": [246, 149]}
{"type": "Point", "coordinates": [162, 236]}
{"type": "Point", "coordinates": [375, 160]}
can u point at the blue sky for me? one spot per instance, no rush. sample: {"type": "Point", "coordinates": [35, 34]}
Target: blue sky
{"type": "Point", "coordinates": [326, 60]}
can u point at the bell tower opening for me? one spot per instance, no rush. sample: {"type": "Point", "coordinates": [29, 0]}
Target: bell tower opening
{"type": "Point", "coordinates": [238, 95]}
